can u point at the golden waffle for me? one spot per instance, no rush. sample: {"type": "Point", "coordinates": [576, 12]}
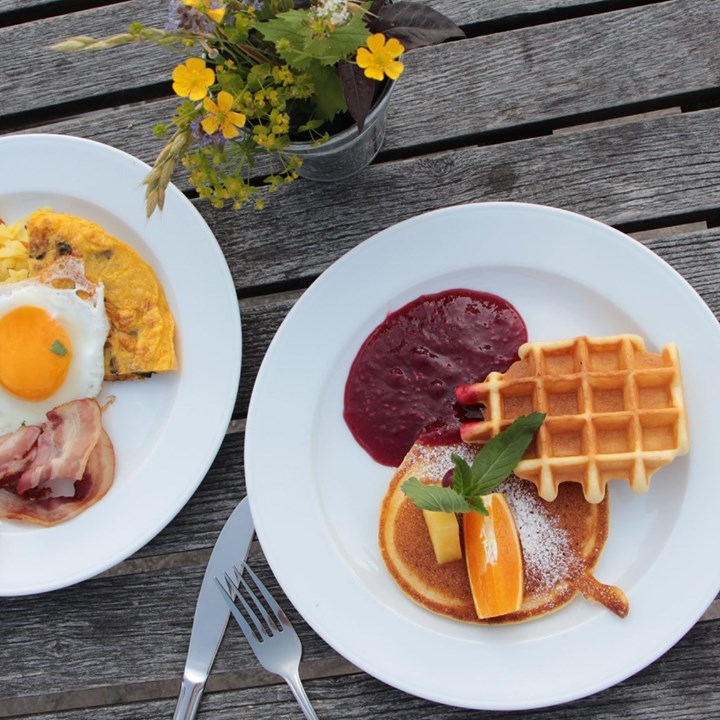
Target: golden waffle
{"type": "Point", "coordinates": [561, 543]}
{"type": "Point", "coordinates": [613, 411]}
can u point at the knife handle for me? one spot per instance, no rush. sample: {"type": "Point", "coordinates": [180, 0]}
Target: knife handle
{"type": "Point", "coordinates": [189, 699]}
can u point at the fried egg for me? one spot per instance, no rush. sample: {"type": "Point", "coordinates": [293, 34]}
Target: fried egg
{"type": "Point", "coordinates": [51, 343]}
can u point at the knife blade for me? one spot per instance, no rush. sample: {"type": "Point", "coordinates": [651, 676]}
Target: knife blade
{"type": "Point", "coordinates": [211, 612]}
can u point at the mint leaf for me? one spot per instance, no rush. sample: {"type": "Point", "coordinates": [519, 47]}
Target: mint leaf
{"type": "Point", "coordinates": [477, 504]}
{"type": "Point", "coordinates": [434, 497]}
{"type": "Point", "coordinates": [493, 463]}
{"type": "Point", "coordinates": [499, 457]}
{"type": "Point", "coordinates": [462, 478]}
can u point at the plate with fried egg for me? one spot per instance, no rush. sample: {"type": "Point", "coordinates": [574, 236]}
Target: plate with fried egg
{"type": "Point", "coordinates": [111, 406]}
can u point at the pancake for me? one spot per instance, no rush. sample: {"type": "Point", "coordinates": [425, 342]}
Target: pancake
{"type": "Point", "coordinates": [142, 328]}
{"type": "Point", "coordinates": [561, 544]}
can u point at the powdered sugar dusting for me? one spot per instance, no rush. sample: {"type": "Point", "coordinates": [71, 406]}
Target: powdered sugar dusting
{"type": "Point", "coordinates": [436, 460]}
{"type": "Point", "coordinates": [547, 548]}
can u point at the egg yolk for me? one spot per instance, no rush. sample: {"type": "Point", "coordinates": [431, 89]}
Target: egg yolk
{"type": "Point", "coordinates": [35, 353]}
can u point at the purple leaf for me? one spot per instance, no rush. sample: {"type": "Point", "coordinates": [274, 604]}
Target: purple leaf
{"type": "Point", "coordinates": [359, 91]}
{"type": "Point", "coordinates": [414, 25]}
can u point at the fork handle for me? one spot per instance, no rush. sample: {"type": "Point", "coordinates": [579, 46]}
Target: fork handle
{"type": "Point", "coordinates": [294, 683]}
{"type": "Point", "coordinates": [188, 699]}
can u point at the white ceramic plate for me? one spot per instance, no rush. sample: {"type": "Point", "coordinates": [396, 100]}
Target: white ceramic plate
{"type": "Point", "coordinates": [166, 430]}
{"type": "Point", "coordinates": [316, 506]}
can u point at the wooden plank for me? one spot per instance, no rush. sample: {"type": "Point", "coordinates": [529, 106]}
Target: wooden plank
{"type": "Point", "coordinates": [462, 11]}
{"type": "Point", "coordinates": [35, 76]}
{"type": "Point", "coordinates": [555, 71]}
{"type": "Point", "coordinates": [110, 646]}
{"type": "Point", "coordinates": [658, 168]}
{"type": "Point", "coordinates": [663, 688]}
{"type": "Point", "coordinates": [521, 77]}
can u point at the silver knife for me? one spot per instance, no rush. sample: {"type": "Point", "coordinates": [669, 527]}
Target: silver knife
{"type": "Point", "coordinates": [211, 612]}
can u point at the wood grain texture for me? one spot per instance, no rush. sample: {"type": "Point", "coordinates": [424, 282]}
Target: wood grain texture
{"type": "Point", "coordinates": [35, 76]}
{"type": "Point", "coordinates": [635, 172]}
{"type": "Point", "coordinates": [553, 71]}
{"type": "Point", "coordinates": [682, 684]}
{"type": "Point", "coordinates": [111, 646]}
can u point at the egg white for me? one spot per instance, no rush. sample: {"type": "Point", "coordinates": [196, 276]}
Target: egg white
{"type": "Point", "coordinates": [86, 324]}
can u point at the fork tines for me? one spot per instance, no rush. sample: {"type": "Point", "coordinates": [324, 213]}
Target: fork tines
{"type": "Point", "coordinates": [238, 589]}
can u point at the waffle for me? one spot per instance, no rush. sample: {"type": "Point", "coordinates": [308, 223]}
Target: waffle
{"type": "Point", "coordinates": [613, 411]}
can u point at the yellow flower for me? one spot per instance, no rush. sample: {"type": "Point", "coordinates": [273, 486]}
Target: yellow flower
{"type": "Point", "coordinates": [193, 79]}
{"type": "Point", "coordinates": [380, 57]}
{"type": "Point", "coordinates": [222, 116]}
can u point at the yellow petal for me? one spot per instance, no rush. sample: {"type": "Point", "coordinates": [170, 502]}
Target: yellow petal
{"type": "Point", "coordinates": [195, 65]}
{"type": "Point", "coordinates": [216, 14]}
{"type": "Point", "coordinates": [364, 58]}
{"type": "Point", "coordinates": [210, 106]}
{"type": "Point", "coordinates": [373, 72]}
{"type": "Point", "coordinates": [376, 42]}
{"type": "Point", "coordinates": [180, 73]}
{"type": "Point", "coordinates": [394, 48]}
{"type": "Point", "coordinates": [207, 76]}
{"type": "Point", "coordinates": [197, 92]}
{"type": "Point", "coordinates": [224, 101]}
{"type": "Point", "coordinates": [229, 131]}
{"type": "Point", "coordinates": [237, 118]}
{"type": "Point", "coordinates": [393, 69]}
{"type": "Point", "coordinates": [210, 124]}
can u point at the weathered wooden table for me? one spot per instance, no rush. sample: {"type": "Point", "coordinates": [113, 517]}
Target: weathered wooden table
{"type": "Point", "coordinates": [605, 107]}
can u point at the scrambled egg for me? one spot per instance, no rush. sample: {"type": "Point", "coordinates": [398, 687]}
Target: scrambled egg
{"type": "Point", "coordinates": [13, 252]}
{"type": "Point", "coordinates": [142, 328]}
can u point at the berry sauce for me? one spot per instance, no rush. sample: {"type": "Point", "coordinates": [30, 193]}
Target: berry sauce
{"type": "Point", "coordinates": [401, 385]}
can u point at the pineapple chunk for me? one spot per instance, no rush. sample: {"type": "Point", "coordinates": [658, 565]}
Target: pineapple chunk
{"type": "Point", "coordinates": [444, 534]}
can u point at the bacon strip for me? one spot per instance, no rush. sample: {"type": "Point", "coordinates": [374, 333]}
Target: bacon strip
{"type": "Point", "coordinates": [64, 446]}
{"type": "Point", "coordinates": [95, 482]}
{"type": "Point", "coordinates": [17, 452]}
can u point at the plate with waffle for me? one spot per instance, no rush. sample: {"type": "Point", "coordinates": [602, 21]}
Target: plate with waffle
{"type": "Point", "coordinates": [619, 357]}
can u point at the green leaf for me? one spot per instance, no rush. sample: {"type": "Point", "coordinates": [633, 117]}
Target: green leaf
{"type": "Point", "coordinates": [491, 466]}
{"type": "Point", "coordinates": [478, 505]}
{"type": "Point", "coordinates": [328, 95]}
{"type": "Point", "coordinates": [462, 478]}
{"type": "Point", "coordinates": [434, 497]}
{"type": "Point", "coordinates": [295, 43]}
{"type": "Point", "coordinates": [499, 457]}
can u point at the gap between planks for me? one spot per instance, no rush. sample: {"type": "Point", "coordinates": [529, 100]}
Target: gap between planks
{"type": "Point", "coordinates": [167, 689]}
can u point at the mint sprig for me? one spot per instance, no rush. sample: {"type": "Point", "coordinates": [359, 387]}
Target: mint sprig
{"type": "Point", "coordinates": [493, 463]}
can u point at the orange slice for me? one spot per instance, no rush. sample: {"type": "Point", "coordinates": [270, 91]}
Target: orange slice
{"type": "Point", "coordinates": [494, 558]}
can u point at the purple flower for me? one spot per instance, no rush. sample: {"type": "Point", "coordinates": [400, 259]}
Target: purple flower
{"type": "Point", "coordinates": [202, 139]}
{"type": "Point", "coordinates": [183, 17]}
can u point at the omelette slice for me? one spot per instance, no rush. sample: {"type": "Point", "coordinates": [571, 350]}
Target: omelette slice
{"type": "Point", "coordinates": [141, 340]}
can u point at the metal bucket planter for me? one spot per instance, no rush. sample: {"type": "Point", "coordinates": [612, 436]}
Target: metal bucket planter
{"type": "Point", "coordinates": [349, 151]}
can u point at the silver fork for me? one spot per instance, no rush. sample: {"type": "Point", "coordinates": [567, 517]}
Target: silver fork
{"type": "Point", "coordinates": [273, 639]}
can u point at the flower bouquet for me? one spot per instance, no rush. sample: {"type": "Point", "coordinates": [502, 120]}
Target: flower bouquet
{"type": "Point", "coordinates": [262, 74]}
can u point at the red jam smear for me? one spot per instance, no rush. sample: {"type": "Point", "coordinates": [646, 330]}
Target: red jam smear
{"type": "Point", "coordinates": [401, 385]}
